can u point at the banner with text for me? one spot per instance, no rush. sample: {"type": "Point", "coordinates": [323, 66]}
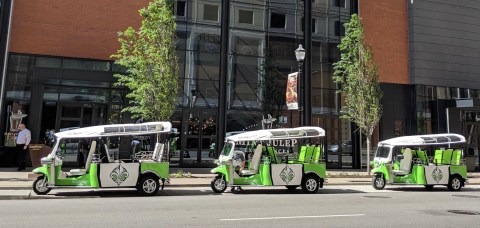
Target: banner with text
{"type": "Point", "coordinates": [291, 94]}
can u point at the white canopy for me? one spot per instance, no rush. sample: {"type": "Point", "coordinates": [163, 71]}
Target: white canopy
{"type": "Point", "coordinates": [276, 134]}
{"type": "Point", "coordinates": [117, 130]}
{"type": "Point", "coordinates": [424, 140]}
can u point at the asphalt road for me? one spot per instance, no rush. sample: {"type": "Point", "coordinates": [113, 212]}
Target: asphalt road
{"type": "Point", "coordinates": [334, 206]}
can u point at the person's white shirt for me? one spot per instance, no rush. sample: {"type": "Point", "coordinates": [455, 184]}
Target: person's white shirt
{"type": "Point", "coordinates": [24, 137]}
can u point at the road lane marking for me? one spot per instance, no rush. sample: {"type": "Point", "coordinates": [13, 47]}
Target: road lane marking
{"type": "Point", "coordinates": [292, 217]}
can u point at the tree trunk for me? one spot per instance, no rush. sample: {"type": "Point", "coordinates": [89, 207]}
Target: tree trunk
{"type": "Point", "coordinates": [368, 154]}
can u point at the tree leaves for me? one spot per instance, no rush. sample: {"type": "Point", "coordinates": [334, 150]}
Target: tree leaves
{"type": "Point", "coordinates": [357, 75]}
{"type": "Point", "coordinates": [149, 55]}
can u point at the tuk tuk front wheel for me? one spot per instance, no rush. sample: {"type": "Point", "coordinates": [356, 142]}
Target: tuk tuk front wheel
{"type": "Point", "coordinates": [148, 185]}
{"type": "Point", "coordinates": [219, 184]}
{"type": "Point", "coordinates": [310, 184]}
{"type": "Point", "coordinates": [455, 183]}
{"type": "Point", "coordinates": [378, 182]}
{"type": "Point", "coordinates": [40, 186]}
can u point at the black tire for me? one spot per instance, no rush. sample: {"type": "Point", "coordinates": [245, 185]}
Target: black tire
{"type": "Point", "coordinates": [310, 184]}
{"type": "Point", "coordinates": [429, 186]}
{"type": "Point", "coordinates": [39, 186]}
{"type": "Point", "coordinates": [148, 185]}
{"type": "Point", "coordinates": [292, 187]}
{"type": "Point", "coordinates": [378, 182]}
{"type": "Point", "coordinates": [455, 183]}
{"type": "Point", "coordinates": [219, 184]}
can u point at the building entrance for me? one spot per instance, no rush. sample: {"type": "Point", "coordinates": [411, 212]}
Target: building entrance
{"type": "Point", "coordinates": [79, 115]}
{"type": "Point", "coordinates": [198, 141]}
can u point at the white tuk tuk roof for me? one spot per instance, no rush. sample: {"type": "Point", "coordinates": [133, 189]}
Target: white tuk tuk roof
{"type": "Point", "coordinates": [424, 140]}
{"type": "Point", "coordinates": [276, 134]}
{"type": "Point", "coordinates": [117, 130]}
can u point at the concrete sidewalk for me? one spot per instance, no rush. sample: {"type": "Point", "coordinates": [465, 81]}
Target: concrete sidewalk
{"type": "Point", "coordinates": [18, 185]}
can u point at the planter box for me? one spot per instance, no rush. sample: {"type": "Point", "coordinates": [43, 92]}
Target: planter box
{"type": "Point", "coordinates": [38, 151]}
{"type": "Point", "coordinates": [471, 160]}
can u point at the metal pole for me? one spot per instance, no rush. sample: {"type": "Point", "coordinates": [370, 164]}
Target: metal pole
{"type": "Point", "coordinates": [299, 93]}
{"type": "Point", "coordinates": [222, 101]}
{"type": "Point", "coordinates": [308, 64]}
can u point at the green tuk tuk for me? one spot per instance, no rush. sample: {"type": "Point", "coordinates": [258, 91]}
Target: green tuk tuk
{"type": "Point", "coordinates": [271, 160]}
{"type": "Point", "coordinates": [428, 160]}
{"type": "Point", "coordinates": [103, 167]}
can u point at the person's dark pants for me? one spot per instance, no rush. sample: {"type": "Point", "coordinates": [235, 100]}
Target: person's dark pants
{"type": "Point", "coordinates": [21, 153]}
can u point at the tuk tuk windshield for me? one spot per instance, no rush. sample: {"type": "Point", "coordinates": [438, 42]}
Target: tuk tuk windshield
{"type": "Point", "coordinates": [382, 152]}
{"type": "Point", "coordinates": [227, 149]}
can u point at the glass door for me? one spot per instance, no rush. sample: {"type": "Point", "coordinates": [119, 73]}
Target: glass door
{"type": "Point", "coordinates": [198, 147]}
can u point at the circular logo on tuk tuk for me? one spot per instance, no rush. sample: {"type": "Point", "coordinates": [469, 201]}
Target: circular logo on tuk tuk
{"type": "Point", "coordinates": [437, 175]}
{"type": "Point", "coordinates": [287, 175]}
{"type": "Point", "coordinates": [119, 174]}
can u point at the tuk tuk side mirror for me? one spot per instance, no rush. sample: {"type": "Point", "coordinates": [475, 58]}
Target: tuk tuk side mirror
{"type": "Point", "coordinates": [400, 156]}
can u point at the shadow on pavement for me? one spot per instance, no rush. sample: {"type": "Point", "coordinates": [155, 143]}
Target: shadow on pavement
{"type": "Point", "coordinates": [435, 189]}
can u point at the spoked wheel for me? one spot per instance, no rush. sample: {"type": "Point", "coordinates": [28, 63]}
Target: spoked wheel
{"type": "Point", "coordinates": [148, 185]}
{"type": "Point", "coordinates": [310, 184]}
{"type": "Point", "coordinates": [455, 183]}
{"type": "Point", "coordinates": [378, 182]}
{"type": "Point", "coordinates": [40, 186]}
{"type": "Point", "coordinates": [292, 187]}
{"type": "Point", "coordinates": [429, 186]}
{"type": "Point", "coordinates": [219, 184]}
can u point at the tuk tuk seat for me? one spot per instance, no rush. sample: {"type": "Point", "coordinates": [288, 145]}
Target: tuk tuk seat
{"type": "Point", "coordinates": [422, 155]}
{"type": "Point", "coordinates": [272, 154]}
{"type": "Point", "coordinates": [308, 154]}
{"type": "Point", "coordinates": [157, 154]}
{"type": "Point", "coordinates": [257, 154]}
{"type": "Point", "coordinates": [438, 156]}
{"type": "Point", "coordinates": [301, 156]}
{"type": "Point", "coordinates": [317, 154]}
{"type": "Point", "coordinates": [405, 163]}
{"type": "Point", "coordinates": [79, 172]}
{"type": "Point", "coordinates": [456, 156]}
{"type": "Point", "coordinates": [447, 156]}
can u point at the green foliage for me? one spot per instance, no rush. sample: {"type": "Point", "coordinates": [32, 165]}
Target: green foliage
{"type": "Point", "coordinates": [181, 174]}
{"type": "Point", "coordinates": [149, 55]}
{"type": "Point", "coordinates": [357, 75]}
{"type": "Point", "coordinates": [272, 84]}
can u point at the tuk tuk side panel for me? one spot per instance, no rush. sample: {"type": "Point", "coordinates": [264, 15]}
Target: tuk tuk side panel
{"type": "Point", "coordinates": [418, 172]}
{"type": "Point", "coordinates": [264, 169]}
{"type": "Point", "coordinates": [319, 169]}
{"type": "Point", "coordinates": [286, 174]}
{"type": "Point", "coordinates": [160, 168]}
{"type": "Point", "coordinates": [81, 181]}
{"type": "Point", "coordinates": [437, 174]}
{"type": "Point", "coordinates": [382, 169]}
{"type": "Point", "coordinates": [222, 169]}
{"type": "Point", "coordinates": [119, 174]}
{"type": "Point", "coordinates": [94, 183]}
{"type": "Point", "coordinates": [407, 179]}
{"type": "Point", "coordinates": [459, 169]}
{"type": "Point", "coordinates": [249, 180]}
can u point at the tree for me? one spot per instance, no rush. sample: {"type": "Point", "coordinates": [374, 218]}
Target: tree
{"type": "Point", "coordinates": [357, 75]}
{"type": "Point", "coordinates": [272, 85]}
{"type": "Point", "coordinates": [149, 55]}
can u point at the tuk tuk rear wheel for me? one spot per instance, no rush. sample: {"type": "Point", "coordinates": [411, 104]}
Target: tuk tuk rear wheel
{"type": "Point", "coordinates": [40, 186]}
{"type": "Point", "coordinates": [219, 184]}
{"type": "Point", "coordinates": [148, 185]}
{"type": "Point", "coordinates": [455, 183]}
{"type": "Point", "coordinates": [378, 182]}
{"type": "Point", "coordinates": [310, 184]}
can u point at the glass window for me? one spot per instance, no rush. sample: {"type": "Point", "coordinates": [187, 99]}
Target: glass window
{"type": "Point", "coordinates": [18, 92]}
{"type": "Point", "coordinates": [277, 20]}
{"type": "Point", "coordinates": [245, 16]}
{"type": "Point", "coordinates": [210, 12]}
{"type": "Point", "coordinates": [48, 62]}
{"type": "Point", "coordinates": [18, 78]}
{"type": "Point", "coordinates": [339, 29]}
{"type": "Point", "coordinates": [86, 65]}
{"type": "Point", "coordinates": [313, 25]}
{"type": "Point", "coordinates": [340, 3]}
{"type": "Point", "coordinates": [21, 63]}
{"type": "Point", "coordinates": [181, 8]}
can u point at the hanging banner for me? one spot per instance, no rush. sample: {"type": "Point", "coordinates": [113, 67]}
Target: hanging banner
{"type": "Point", "coordinates": [291, 94]}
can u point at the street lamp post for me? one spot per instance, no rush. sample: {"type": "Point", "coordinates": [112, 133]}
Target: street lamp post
{"type": "Point", "coordinates": [300, 55]}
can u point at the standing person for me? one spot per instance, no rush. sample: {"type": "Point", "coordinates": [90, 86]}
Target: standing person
{"type": "Point", "coordinates": [23, 139]}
